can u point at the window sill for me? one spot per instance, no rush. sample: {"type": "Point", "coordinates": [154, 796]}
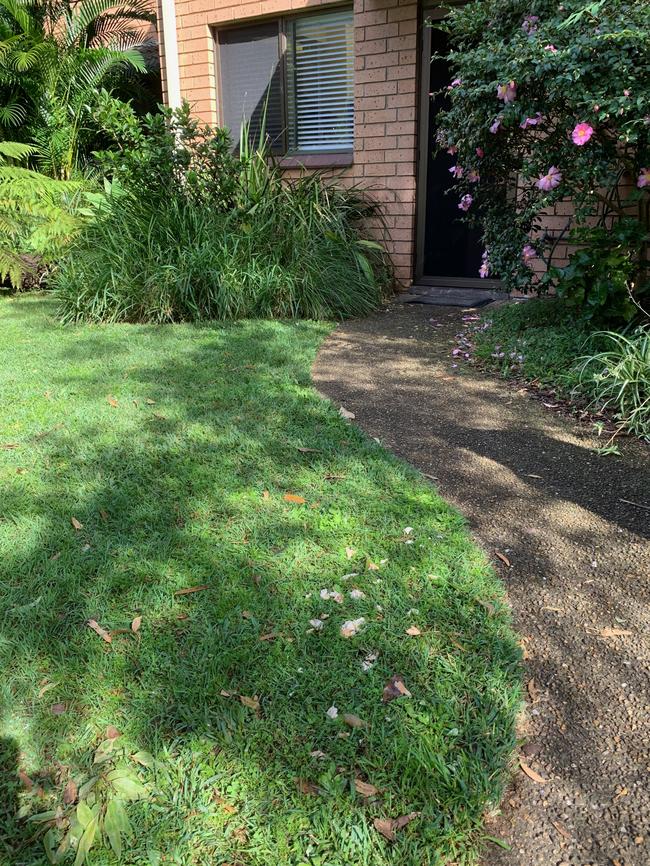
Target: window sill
{"type": "Point", "coordinates": [317, 160]}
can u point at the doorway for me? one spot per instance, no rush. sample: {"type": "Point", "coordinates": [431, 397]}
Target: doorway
{"type": "Point", "coordinates": [448, 251]}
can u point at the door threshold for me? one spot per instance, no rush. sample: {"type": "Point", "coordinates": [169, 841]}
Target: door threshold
{"type": "Point", "coordinates": [451, 296]}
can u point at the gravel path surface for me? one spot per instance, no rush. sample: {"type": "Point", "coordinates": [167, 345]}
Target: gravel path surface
{"type": "Point", "coordinates": [578, 581]}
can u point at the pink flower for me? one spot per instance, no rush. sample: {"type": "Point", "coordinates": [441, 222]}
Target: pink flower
{"type": "Point", "coordinates": [480, 152]}
{"type": "Point", "coordinates": [507, 92]}
{"type": "Point", "coordinates": [455, 83]}
{"type": "Point", "coordinates": [532, 121]}
{"type": "Point", "coordinates": [453, 150]}
{"type": "Point", "coordinates": [484, 270]}
{"type": "Point", "coordinates": [456, 170]}
{"type": "Point", "coordinates": [473, 176]}
{"type": "Point", "coordinates": [643, 179]}
{"type": "Point", "coordinates": [582, 133]}
{"type": "Point", "coordinates": [496, 126]}
{"type": "Point", "coordinates": [550, 48]}
{"type": "Point", "coordinates": [627, 92]}
{"type": "Point", "coordinates": [550, 180]}
{"type": "Point", "coordinates": [529, 24]}
{"type": "Point", "coordinates": [528, 253]}
{"type": "Point", "coordinates": [466, 202]}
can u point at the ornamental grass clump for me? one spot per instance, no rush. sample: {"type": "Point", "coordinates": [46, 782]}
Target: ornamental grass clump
{"type": "Point", "coordinates": [193, 233]}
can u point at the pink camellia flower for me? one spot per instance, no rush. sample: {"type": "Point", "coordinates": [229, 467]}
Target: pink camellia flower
{"type": "Point", "coordinates": [550, 48]}
{"type": "Point", "coordinates": [456, 170]}
{"type": "Point", "coordinates": [529, 252]}
{"type": "Point", "coordinates": [529, 24]}
{"type": "Point", "coordinates": [582, 133]}
{"type": "Point", "coordinates": [455, 83]}
{"type": "Point", "coordinates": [480, 152]}
{"type": "Point", "coordinates": [484, 270]}
{"type": "Point", "coordinates": [453, 150]}
{"type": "Point", "coordinates": [550, 180]}
{"type": "Point", "coordinates": [643, 179]}
{"type": "Point", "coordinates": [532, 121]}
{"type": "Point", "coordinates": [473, 176]}
{"type": "Point", "coordinates": [466, 202]}
{"type": "Point", "coordinates": [496, 126]}
{"type": "Point", "coordinates": [507, 92]}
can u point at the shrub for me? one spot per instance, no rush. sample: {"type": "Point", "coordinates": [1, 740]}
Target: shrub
{"type": "Point", "coordinates": [198, 234]}
{"type": "Point", "coordinates": [558, 97]}
{"type": "Point", "coordinates": [618, 379]}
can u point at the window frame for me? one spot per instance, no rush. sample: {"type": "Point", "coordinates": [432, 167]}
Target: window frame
{"type": "Point", "coordinates": [288, 157]}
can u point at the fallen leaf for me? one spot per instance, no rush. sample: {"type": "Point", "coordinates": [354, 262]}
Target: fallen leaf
{"type": "Point", "coordinates": [77, 525]}
{"type": "Point", "coordinates": [615, 632]}
{"type": "Point", "coordinates": [9, 445]}
{"type": "Point", "coordinates": [561, 829]}
{"type": "Point", "coordinates": [227, 807]}
{"type": "Point", "coordinates": [371, 566]}
{"type": "Point", "coordinates": [225, 694]}
{"type": "Point", "coordinates": [533, 691]}
{"type": "Point", "coordinates": [351, 627]}
{"type": "Point", "coordinates": [502, 557]}
{"type": "Point", "coordinates": [266, 495]}
{"type": "Point", "coordinates": [354, 721]}
{"type": "Point", "coordinates": [309, 450]}
{"type": "Point", "coordinates": [385, 827]}
{"type": "Point", "coordinates": [413, 631]}
{"type": "Point", "coordinates": [45, 688]}
{"type": "Point", "coordinates": [112, 402]}
{"type": "Point", "coordinates": [103, 514]}
{"type": "Point", "coordinates": [70, 792]}
{"type": "Point", "coordinates": [135, 624]}
{"type": "Point", "coordinates": [189, 589]}
{"type": "Point", "coordinates": [94, 625]}
{"type": "Point", "coordinates": [306, 787]}
{"type": "Point", "coordinates": [332, 713]}
{"type": "Point", "coordinates": [25, 780]}
{"type": "Point", "coordinates": [247, 614]}
{"type": "Point", "coordinates": [251, 703]}
{"type": "Point", "coordinates": [292, 497]}
{"type": "Point", "coordinates": [403, 820]}
{"type": "Point", "coordinates": [318, 753]}
{"type": "Point", "coordinates": [349, 552]}
{"type": "Point", "coordinates": [357, 594]}
{"type": "Point", "coordinates": [57, 709]}
{"type": "Point", "coordinates": [112, 733]}
{"type": "Point", "coordinates": [395, 688]}
{"type": "Point", "coordinates": [150, 402]}
{"type": "Point", "coordinates": [345, 413]}
{"type": "Point", "coordinates": [531, 773]}
{"type": "Point", "coordinates": [365, 788]}
{"type": "Point", "coordinates": [269, 636]}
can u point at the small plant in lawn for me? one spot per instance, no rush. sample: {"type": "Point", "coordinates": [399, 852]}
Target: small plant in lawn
{"type": "Point", "coordinates": [95, 812]}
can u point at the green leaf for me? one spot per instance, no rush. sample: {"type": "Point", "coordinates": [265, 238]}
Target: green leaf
{"type": "Point", "coordinates": [112, 826]}
{"type": "Point", "coordinates": [126, 785]}
{"type": "Point", "coordinates": [144, 758]}
{"type": "Point", "coordinates": [103, 752]}
{"type": "Point", "coordinates": [86, 841]}
{"type": "Point", "coordinates": [84, 814]}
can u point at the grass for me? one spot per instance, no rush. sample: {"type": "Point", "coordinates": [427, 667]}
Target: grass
{"type": "Point", "coordinates": [538, 340]}
{"type": "Point", "coordinates": [174, 447]}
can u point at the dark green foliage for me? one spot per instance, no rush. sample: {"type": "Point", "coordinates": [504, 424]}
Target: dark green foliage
{"type": "Point", "coordinates": [193, 233]}
{"type": "Point", "coordinates": [564, 64]}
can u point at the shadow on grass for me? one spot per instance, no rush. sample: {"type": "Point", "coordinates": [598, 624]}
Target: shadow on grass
{"type": "Point", "coordinates": [174, 448]}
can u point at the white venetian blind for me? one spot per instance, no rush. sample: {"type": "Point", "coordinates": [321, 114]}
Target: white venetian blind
{"type": "Point", "coordinates": [320, 73]}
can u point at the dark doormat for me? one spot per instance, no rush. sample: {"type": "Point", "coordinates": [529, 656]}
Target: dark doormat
{"type": "Point", "coordinates": [439, 296]}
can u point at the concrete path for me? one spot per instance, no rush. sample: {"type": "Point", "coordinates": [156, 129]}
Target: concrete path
{"type": "Point", "coordinates": [533, 489]}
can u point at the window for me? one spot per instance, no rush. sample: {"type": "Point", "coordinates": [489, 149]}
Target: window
{"type": "Point", "coordinates": [296, 74]}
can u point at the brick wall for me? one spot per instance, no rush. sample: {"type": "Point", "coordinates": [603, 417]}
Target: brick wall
{"type": "Point", "coordinates": [386, 99]}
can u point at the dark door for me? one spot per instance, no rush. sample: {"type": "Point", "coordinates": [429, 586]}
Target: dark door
{"type": "Point", "coordinates": [449, 249]}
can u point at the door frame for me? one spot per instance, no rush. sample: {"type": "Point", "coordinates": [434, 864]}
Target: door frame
{"type": "Point", "coordinates": [431, 11]}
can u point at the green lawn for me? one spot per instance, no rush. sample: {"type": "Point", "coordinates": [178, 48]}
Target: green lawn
{"type": "Point", "coordinates": [174, 448]}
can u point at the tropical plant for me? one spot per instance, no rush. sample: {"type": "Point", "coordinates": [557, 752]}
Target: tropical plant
{"type": "Point", "coordinates": [549, 104]}
{"type": "Point", "coordinates": [618, 378]}
{"type": "Point", "coordinates": [199, 234]}
{"type": "Point", "coordinates": [55, 57]}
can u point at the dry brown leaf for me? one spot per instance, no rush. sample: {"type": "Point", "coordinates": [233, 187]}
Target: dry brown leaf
{"type": "Point", "coordinates": [269, 636]}
{"type": "Point", "coordinates": [371, 566]}
{"type": "Point", "coordinates": [150, 402]}
{"type": "Point", "coordinates": [25, 780]}
{"type": "Point", "coordinates": [395, 688]}
{"type": "Point", "coordinates": [247, 614]}
{"type": "Point", "coordinates": [225, 694]}
{"type": "Point", "coordinates": [225, 805]}
{"type": "Point", "coordinates": [45, 688]}
{"type": "Point", "coordinates": [10, 445]}
{"type": "Point", "coordinates": [77, 525]}
{"type": "Point", "coordinates": [252, 703]}
{"type": "Point", "coordinates": [354, 721]}
{"type": "Point", "coordinates": [70, 792]}
{"type": "Point", "coordinates": [112, 733]}
{"type": "Point", "coordinates": [266, 495]}
{"type": "Point", "coordinates": [306, 787]}
{"type": "Point", "coordinates": [349, 552]}
{"type": "Point", "coordinates": [365, 788]}
{"type": "Point", "coordinates": [531, 773]}
{"type": "Point", "coordinates": [189, 589]}
{"type": "Point", "coordinates": [103, 514]}
{"type": "Point", "coordinates": [561, 829]}
{"type": "Point", "coordinates": [292, 497]}
{"type": "Point", "coordinates": [413, 631]}
{"type": "Point", "coordinates": [385, 827]}
{"type": "Point", "coordinates": [533, 691]}
{"type": "Point", "coordinates": [112, 401]}
{"type": "Point", "coordinates": [57, 709]}
{"type": "Point", "coordinates": [309, 450]}
{"type": "Point", "coordinates": [345, 413]}
{"type": "Point", "coordinates": [403, 820]}
{"type": "Point", "coordinates": [615, 632]}
{"type": "Point", "coordinates": [96, 627]}
{"type": "Point", "coordinates": [136, 623]}
{"type": "Point", "coordinates": [503, 558]}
